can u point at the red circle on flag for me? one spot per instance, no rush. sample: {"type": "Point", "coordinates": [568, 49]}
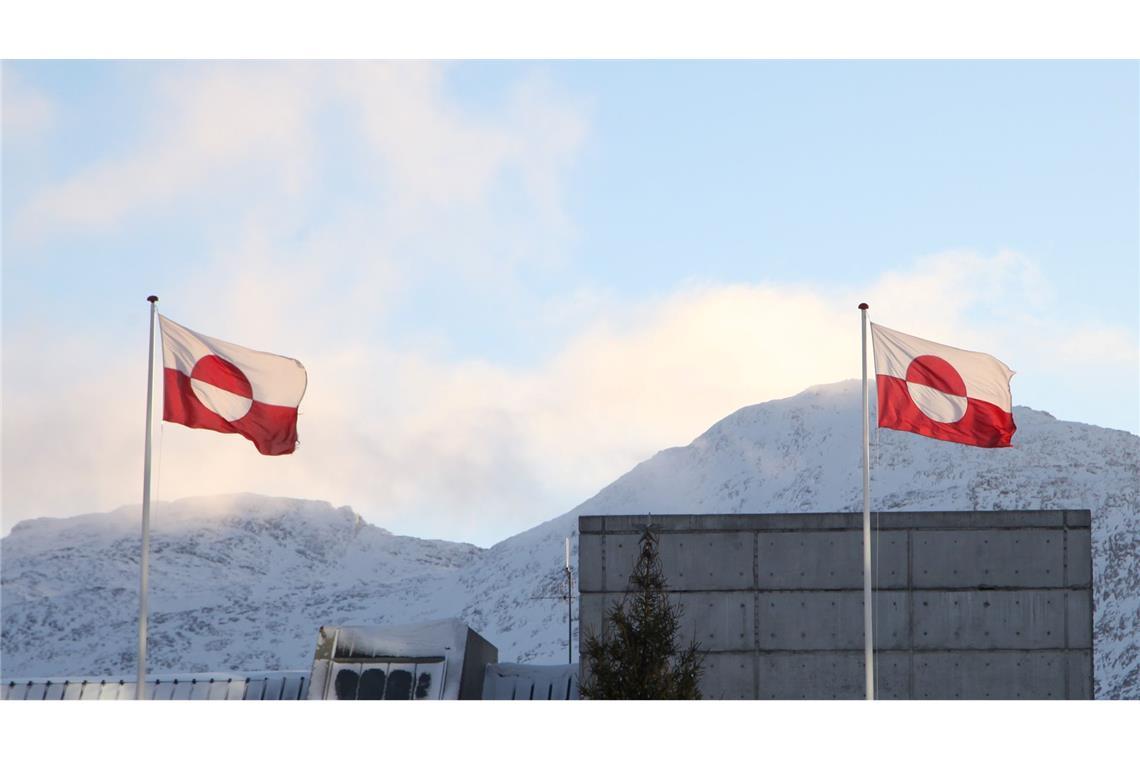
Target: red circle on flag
{"type": "Point", "coordinates": [221, 387]}
{"type": "Point", "coordinates": [220, 373]}
{"type": "Point", "coordinates": [937, 373]}
{"type": "Point", "coordinates": [936, 388]}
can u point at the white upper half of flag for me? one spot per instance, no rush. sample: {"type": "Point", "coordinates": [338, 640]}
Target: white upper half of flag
{"type": "Point", "coordinates": [986, 378]}
{"type": "Point", "coordinates": [274, 379]}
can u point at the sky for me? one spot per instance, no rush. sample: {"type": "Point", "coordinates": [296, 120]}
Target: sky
{"type": "Point", "coordinates": [510, 282]}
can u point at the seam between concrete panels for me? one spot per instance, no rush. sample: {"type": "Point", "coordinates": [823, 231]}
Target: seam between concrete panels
{"type": "Point", "coordinates": [1092, 617]}
{"type": "Point", "coordinates": [756, 615]}
{"type": "Point", "coordinates": [917, 652]}
{"type": "Point", "coordinates": [1065, 579]}
{"type": "Point", "coordinates": [755, 560]}
{"type": "Point", "coordinates": [605, 574]}
{"type": "Point", "coordinates": [889, 522]}
{"type": "Point", "coordinates": [910, 613]}
{"type": "Point", "coordinates": [659, 529]}
{"type": "Point", "coordinates": [900, 589]}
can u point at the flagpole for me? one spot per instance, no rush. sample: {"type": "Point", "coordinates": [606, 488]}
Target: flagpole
{"type": "Point", "coordinates": [140, 687]}
{"type": "Point", "coordinates": [868, 635]}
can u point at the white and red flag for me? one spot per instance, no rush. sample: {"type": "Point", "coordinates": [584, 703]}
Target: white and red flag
{"type": "Point", "coordinates": [941, 391]}
{"type": "Point", "coordinates": [214, 385]}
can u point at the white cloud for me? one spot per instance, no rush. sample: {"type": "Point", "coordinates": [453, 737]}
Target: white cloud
{"type": "Point", "coordinates": [26, 111]}
{"type": "Point", "coordinates": [479, 449]}
{"type": "Point", "coordinates": [207, 127]}
{"type": "Point", "coordinates": [250, 132]}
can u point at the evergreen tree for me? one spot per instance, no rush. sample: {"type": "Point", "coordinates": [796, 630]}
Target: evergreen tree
{"type": "Point", "coordinates": [639, 657]}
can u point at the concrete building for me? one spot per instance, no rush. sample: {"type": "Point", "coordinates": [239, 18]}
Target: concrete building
{"type": "Point", "coordinates": [968, 605]}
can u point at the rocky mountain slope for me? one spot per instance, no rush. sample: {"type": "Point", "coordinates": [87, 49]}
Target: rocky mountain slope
{"type": "Point", "coordinates": [243, 582]}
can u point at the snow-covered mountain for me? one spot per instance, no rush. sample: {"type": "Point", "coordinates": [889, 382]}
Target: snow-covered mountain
{"type": "Point", "coordinates": [237, 582]}
{"type": "Point", "coordinates": [242, 582]}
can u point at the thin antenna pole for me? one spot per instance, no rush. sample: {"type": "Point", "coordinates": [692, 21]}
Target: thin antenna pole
{"type": "Point", "coordinates": [868, 635]}
{"type": "Point", "coordinates": [569, 607]}
{"type": "Point", "coordinates": [140, 687]}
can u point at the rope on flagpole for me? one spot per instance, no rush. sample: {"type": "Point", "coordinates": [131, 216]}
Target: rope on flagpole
{"type": "Point", "coordinates": [876, 460]}
{"type": "Point", "coordinates": [877, 585]}
{"type": "Point", "coordinates": [161, 438]}
{"type": "Point", "coordinates": [158, 469]}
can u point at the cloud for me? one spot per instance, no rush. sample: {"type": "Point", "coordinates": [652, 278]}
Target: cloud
{"type": "Point", "coordinates": [26, 111]}
{"type": "Point", "coordinates": [208, 126]}
{"type": "Point", "coordinates": [478, 449]}
{"type": "Point", "coordinates": [253, 131]}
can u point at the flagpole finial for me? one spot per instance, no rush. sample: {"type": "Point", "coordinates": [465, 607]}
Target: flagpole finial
{"type": "Point", "coordinates": [863, 307]}
{"type": "Point", "coordinates": [152, 299]}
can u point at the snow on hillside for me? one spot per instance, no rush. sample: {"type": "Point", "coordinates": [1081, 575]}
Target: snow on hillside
{"type": "Point", "coordinates": [242, 583]}
{"type": "Point", "coordinates": [235, 581]}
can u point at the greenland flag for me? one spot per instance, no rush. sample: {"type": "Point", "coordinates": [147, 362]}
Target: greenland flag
{"type": "Point", "coordinates": [940, 391]}
{"type": "Point", "coordinates": [214, 385]}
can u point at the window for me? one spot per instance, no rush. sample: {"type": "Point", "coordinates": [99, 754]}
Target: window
{"type": "Point", "coordinates": [387, 678]}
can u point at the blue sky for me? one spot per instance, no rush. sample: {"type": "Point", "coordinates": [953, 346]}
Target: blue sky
{"type": "Point", "coordinates": [512, 281]}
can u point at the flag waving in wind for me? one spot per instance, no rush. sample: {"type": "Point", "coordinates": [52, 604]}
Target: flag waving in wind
{"type": "Point", "coordinates": [214, 385]}
{"type": "Point", "coordinates": [941, 391]}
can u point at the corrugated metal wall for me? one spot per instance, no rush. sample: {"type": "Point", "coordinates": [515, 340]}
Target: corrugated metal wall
{"type": "Point", "coordinates": [508, 681]}
{"type": "Point", "coordinates": [290, 684]}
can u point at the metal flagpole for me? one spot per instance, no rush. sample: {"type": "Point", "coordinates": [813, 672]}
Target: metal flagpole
{"type": "Point", "coordinates": [140, 687]}
{"type": "Point", "coordinates": [868, 636]}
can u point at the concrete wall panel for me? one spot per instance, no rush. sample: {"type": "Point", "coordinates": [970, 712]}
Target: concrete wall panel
{"type": "Point", "coordinates": [831, 675]}
{"type": "Point", "coordinates": [590, 577]}
{"type": "Point", "coordinates": [1078, 558]}
{"type": "Point", "coordinates": [892, 675]}
{"type": "Point", "coordinates": [728, 676]}
{"type": "Point", "coordinates": [1078, 618]}
{"type": "Point", "coordinates": [1080, 676]}
{"type": "Point", "coordinates": [829, 620]}
{"type": "Point", "coordinates": [989, 675]}
{"type": "Point", "coordinates": [685, 560]}
{"type": "Point", "coordinates": [720, 621]}
{"type": "Point", "coordinates": [1030, 619]}
{"type": "Point", "coordinates": [827, 560]}
{"type": "Point", "coordinates": [890, 549]}
{"type": "Point", "coordinates": [812, 675]}
{"type": "Point", "coordinates": [969, 559]}
{"type": "Point", "coordinates": [620, 557]}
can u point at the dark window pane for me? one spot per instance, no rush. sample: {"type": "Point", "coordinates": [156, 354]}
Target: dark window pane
{"type": "Point", "coordinates": [399, 685]}
{"type": "Point", "coordinates": [371, 684]}
{"type": "Point", "coordinates": [345, 684]}
{"type": "Point", "coordinates": [423, 685]}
